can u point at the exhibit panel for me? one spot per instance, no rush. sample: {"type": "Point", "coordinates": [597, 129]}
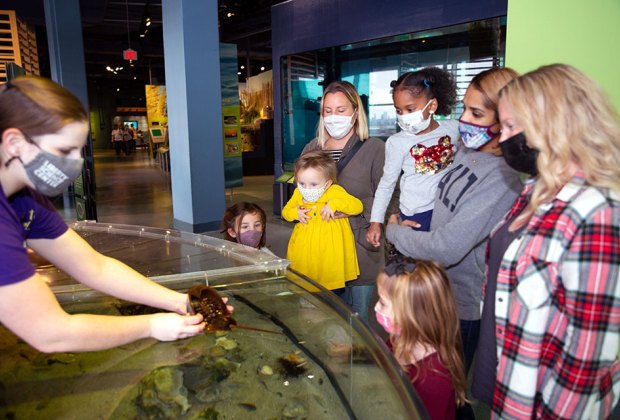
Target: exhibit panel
{"type": "Point", "coordinates": [297, 351]}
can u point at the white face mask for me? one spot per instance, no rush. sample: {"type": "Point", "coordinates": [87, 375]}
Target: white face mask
{"type": "Point", "coordinates": [312, 194]}
{"type": "Point", "coordinates": [338, 126]}
{"type": "Point", "coordinates": [414, 122]}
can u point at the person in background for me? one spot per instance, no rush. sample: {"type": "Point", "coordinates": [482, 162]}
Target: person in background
{"type": "Point", "coordinates": [557, 304]}
{"type": "Point", "coordinates": [117, 140]}
{"type": "Point", "coordinates": [127, 136]}
{"type": "Point", "coordinates": [321, 246]}
{"type": "Point", "coordinates": [134, 138]}
{"type": "Point", "coordinates": [420, 151]}
{"type": "Point", "coordinates": [472, 197]}
{"type": "Point", "coordinates": [416, 308]}
{"type": "Point", "coordinates": [343, 133]}
{"type": "Point", "coordinates": [246, 223]}
{"type": "Point", "coordinates": [43, 128]}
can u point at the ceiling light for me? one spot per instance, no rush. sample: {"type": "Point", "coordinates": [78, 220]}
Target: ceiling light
{"type": "Point", "coordinates": [118, 89]}
{"type": "Point", "coordinates": [262, 68]}
{"type": "Point", "coordinates": [242, 67]}
{"type": "Point", "coordinates": [239, 72]}
{"type": "Point", "coordinates": [230, 14]}
{"type": "Point", "coordinates": [148, 23]}
{"type": "Point", "coordinates": [134, 78]}
{"type": "Point", "coordinates": [108, 68]}
{"type": "Point", "coordinates": [141, 35]}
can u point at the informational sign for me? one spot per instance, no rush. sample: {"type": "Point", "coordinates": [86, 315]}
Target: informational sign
{"type": "Point", "coordinates": [232, 131]}
{"type": "Point", "coordinates": [156, 108]}
{"type": "Point", "coordinates": [233, 163]}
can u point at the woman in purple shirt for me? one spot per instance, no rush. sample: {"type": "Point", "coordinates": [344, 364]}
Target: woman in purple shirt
{"type": "Point", "coordinates": [43, 128]}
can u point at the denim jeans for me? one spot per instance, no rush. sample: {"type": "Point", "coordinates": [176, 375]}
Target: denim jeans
{"type": "Point", "coordinates": [470, 332]}
{"type": "Point", "coordinates": [357, 298]}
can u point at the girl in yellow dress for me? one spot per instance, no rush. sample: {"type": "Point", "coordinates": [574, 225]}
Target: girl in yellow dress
{"type": "Point", "coordinates": [322, 247]}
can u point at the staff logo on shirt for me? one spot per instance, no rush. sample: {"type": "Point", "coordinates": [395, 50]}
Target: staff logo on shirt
{"type": "Point", "coordinates": [430, 160]}
{"type": "Point", "coordinates": [27, 219]}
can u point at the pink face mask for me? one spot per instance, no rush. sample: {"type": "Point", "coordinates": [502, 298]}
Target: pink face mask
{"type": "Point", "coordinates": [250, 238]}
{"type": "Point", "coordinates": [387, 323]}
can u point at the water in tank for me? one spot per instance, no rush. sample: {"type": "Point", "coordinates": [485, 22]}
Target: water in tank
{"type": "Point", "coordinates": [304, 354]}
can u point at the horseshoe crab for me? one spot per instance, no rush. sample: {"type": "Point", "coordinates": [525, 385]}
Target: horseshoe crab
{"type": "Point", "coordinates": [206, 301]}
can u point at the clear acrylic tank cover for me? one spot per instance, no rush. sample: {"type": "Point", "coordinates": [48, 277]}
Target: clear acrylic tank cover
{"type": "Point", "coordinates": [319, 361]}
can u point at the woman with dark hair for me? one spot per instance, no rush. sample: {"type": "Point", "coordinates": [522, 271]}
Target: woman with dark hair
{"type": "Point", "coordinates": [472, 196]}
{"type": "Point", "coordinates": [343, 134]}
{"type": "Point", "coordinates": [43, 128]}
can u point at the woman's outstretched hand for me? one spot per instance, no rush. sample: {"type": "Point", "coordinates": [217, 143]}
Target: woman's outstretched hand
{"type": "Point", "coordinates": [171, 326]}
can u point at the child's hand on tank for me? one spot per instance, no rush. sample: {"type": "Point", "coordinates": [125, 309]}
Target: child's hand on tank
{"type": "Point", "coordinates": [327, 213]}
{"type": "Point", "coordinates": [302, 213]}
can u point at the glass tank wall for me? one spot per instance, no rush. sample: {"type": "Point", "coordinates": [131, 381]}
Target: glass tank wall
{"type": "Point", "coordinates": [309, 358]}
{"type": "Point", "coordinates": [464, 50]}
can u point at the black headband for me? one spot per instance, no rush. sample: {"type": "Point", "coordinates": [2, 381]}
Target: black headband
{"type": "Point", "coordinates": [399, 265]}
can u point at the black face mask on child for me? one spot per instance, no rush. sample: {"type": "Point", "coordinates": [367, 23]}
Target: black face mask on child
{"type": "Point", "coordinates": [519, 156]}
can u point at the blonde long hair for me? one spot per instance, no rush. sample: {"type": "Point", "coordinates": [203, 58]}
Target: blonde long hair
{"type": "Point", "coordinates": [361, 122]}
{"type": "Point", "coordinates": [425, 310]}
{"type": "Point", "coordinates": [568, 118]}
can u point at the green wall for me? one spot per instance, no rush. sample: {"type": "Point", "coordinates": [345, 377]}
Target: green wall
{"type": "Point", "coordinates": [585, 34]}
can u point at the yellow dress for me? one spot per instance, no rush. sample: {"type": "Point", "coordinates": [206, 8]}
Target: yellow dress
{"type": "Point", "coordinates": [324, 250]}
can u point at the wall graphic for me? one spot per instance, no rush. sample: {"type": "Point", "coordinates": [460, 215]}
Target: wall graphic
{"type": "Point", "coordinates": [156, 107]}
{"type": "Point", "coordinates": [233, 164]}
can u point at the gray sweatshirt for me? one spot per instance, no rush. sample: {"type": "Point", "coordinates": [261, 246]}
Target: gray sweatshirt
{"type": "Point", "coordinates": [472, 197]}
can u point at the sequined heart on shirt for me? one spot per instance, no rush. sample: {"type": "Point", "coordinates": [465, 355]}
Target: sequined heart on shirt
{"type": "Point", "coordinates": [430, 160]}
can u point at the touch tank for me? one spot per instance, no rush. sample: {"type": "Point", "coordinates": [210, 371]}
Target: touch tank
{"type": "Point", "coordinates": [314, 359]}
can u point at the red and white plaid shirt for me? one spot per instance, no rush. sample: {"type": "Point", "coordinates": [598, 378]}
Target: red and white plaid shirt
{"type": "Point", "coordinates": [557, 308]}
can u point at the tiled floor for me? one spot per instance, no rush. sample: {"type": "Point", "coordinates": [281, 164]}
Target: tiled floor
{"type": "Point", "coordinates": [134, 190]}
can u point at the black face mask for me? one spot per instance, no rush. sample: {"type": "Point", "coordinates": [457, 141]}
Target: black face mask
{"type": "Point", "coordinates": [519, 155]}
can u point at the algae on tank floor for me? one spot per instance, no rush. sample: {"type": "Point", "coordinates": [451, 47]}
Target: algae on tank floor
{"type": "Point", "coordinates": [205, 376]}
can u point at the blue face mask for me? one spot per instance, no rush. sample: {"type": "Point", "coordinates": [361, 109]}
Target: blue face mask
{"type": "Point", "coordinates": [475, 136]}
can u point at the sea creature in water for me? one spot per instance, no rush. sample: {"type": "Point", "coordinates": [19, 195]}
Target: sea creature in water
{"type": "Point", "coordinates": [162, 394]}
{"type": "Point", "coordinates": [266, 370]}
{"type": "Point", "coordinates": [206, 301]}
{"type": "Point", "coordinates": [292, 365]}
{"type": "Point", "coordinates": [226, 343]}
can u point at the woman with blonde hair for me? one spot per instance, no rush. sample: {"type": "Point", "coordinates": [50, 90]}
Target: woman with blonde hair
{"type": "Point", "coordinates": [343, 134]}
{"type": "Point", "coordinates": [416, 308]}
{"type": "Point", "coordinates": [557, 305]}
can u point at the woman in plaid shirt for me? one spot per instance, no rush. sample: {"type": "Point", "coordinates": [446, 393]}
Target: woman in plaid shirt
{"type": "Point", "coordinates": [557, 304]}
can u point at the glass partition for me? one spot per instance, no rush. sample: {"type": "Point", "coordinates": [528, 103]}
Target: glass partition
{"type": "Point", "coordinates": [463, 50]}
{"type": "Point", "coordinates": [298, 353]}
